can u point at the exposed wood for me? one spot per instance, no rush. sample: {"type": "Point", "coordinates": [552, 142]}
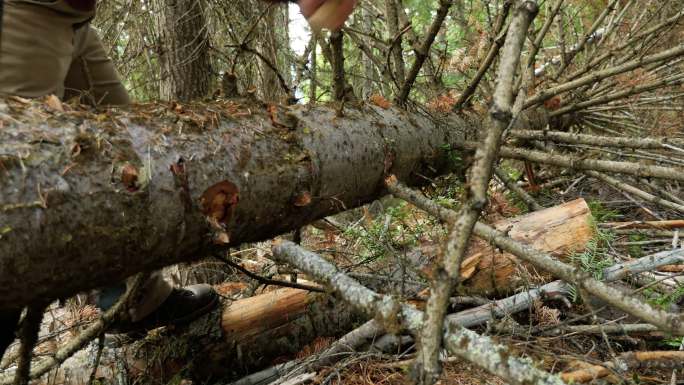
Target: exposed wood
{"type": "Point", "coordinates": [627, 361]}
{"type": "Point", "coordinates": [559, 230]}
{"type": "Point", "coordinates": [249, 317]}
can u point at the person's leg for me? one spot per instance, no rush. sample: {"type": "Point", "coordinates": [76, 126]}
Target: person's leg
{"type": "Point", "coordinates": [35, 50]}
{"type": "Point", "coordinates": [92, 75]}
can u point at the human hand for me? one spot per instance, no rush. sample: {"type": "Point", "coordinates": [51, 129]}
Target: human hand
{"type": "Point", "coordinates": [328, 14]}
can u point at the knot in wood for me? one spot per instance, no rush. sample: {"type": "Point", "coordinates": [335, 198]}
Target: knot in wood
{"type": "Point", "coordinates": [530, 7]}
{"type": "Point", "coordinates": [501, 114]}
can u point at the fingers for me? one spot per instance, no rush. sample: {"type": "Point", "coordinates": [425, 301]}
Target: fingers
{"type": "Point", "coordinates": [328, 14]}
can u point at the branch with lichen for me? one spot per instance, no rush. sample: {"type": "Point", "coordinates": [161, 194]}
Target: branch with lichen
{"type": "Point", "coordinates": [395, 316]}
{"type": "Point", "coordinates": [446, 273]}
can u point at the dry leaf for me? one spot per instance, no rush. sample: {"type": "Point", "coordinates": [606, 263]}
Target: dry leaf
{"type": "Point", "coordinates": [380, 101]}
{"type": "Point", "coordinates": [54, 103]}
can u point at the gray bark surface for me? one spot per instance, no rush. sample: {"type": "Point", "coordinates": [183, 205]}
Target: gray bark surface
{"type": "Point", "coordinates": [87, 198]}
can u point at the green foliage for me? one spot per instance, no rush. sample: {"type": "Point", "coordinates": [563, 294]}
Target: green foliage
{"type": "Point", "coordinates": [666, 300]}
{"type": "Point", "coordinates": [672, 342]}
{"type": "Point", "coordinates": [453, 157]}
{"type": "Point", "coordinates": [386, 233]}
{"type": "Point", "coordinates": [592, 259]}
{"type": "Point", "coordinates": [600, 213]}
{"type": "Point", "coordinates": [636, 251]}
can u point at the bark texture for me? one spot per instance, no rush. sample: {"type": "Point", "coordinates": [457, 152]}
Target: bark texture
{"type": "Point", "coordinates": [88, 198]}
{"type": "Point", "coordinates": [184, 49]}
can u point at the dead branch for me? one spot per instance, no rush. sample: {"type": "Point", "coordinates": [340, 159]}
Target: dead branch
{"type": "Point", "coordinates": [28, 335]}
{"type": "Point", "coordinates": [598, 140]}
{"type": "Point", "coordinates": [461, 342]}
{"type": "Point", "coordinates": [423, 52]}
{"type": "Point", "coordinates": [670, 224]}
{"type": "Point", "coordinates": [597, 76]}
{"type": "Point", "coordinates": [497, 42]}
{"type": "Point", "coordinates": [579, 163]}
{"type": "Point", "coordinates": [622, 186]}
{"type": "Point", "coordinates": [446, 272]}
{"type": "Point", "coordinates": [519, 191]}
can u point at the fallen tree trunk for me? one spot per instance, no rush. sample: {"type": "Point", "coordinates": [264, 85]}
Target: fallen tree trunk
{"type": "Point", "coordinates": [87, 198]}
{"type": "Point", "coordinates": [251, 333]}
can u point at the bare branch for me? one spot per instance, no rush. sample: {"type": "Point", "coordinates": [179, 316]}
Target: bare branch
{"type": "Point", "coordinates": [629, 168]}
{"type": "Point", "coordinates": [427, 368]}
{"type": "Point", "coordinates": [461, 342]}
{"type": "Point", "coordinates": [423, 52]}
{"type": "Point", "coordinates": [597, 76]}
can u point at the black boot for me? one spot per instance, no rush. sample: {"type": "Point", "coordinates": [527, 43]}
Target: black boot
{"type": "Point", "coordinates": [183, 306]}
{"type": "Point", "coordinates": [8, 324]}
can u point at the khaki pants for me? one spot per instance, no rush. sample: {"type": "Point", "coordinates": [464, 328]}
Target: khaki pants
{"type": "Point", "coordinates": [47, 47]}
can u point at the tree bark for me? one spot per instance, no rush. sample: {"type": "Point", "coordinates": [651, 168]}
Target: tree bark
{"type": "Point", "coordinates": [184, 49]}
{"type": "Point", "coordinates": [87, 199]}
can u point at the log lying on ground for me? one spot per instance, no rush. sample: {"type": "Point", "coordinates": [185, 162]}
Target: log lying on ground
{"type": "Point", "coordinates": [559, 230]}
{"type": "Point", "coordinates": [88, 198]}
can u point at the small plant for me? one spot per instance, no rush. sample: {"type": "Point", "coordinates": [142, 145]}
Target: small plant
{"type": "Point", "coordinates": [668, 299]}
{"type": "Point", "coordinates": [636, 250]}
{"type": "Point", "coordinates": [592, 259]}
{"type": "Point", "coordinates": [384, 234]}
{"type": "Point", "coordinates": [600, 213]}
{"type": "Point", "coordinates": [454, 157]}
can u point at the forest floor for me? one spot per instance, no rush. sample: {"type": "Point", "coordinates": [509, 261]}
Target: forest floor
{"type": "Point", "coordinates": [396, 242]}
{"type": "Point", "coordinates": [374, 235]}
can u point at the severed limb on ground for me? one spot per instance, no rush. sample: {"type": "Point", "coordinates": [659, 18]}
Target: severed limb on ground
{"type": "Point", "coordinates": [396, 316]}
{"type": "Point", "coordinates": [666, 321]}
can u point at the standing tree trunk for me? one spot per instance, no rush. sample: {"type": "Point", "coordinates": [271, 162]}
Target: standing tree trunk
{"type": "Point", "coordinates": [273, 32]}
{"type": "Point", "coordinates": [184, 49]}
{"type": "Point", "coordinates": [392, 17]}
